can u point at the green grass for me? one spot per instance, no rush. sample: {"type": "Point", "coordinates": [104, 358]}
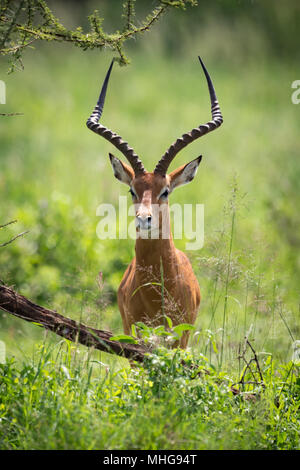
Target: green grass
{"type": "Point", "coordinates": [53, 175]}
{"type": "Point", "coordinates": [61, 400]}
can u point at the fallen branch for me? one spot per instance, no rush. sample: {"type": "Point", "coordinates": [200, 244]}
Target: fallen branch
{"type": "Point", "coordinates": [19, 306]}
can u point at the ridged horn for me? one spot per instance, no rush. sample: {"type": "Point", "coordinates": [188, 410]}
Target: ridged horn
{"type": "Point", "coordinates": [195, 133]}
{"type": "Point", "coordinates": [93, 124]}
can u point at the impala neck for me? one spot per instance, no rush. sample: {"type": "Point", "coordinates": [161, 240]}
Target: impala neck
{"type": "Point", "coordinates": [150, 252]}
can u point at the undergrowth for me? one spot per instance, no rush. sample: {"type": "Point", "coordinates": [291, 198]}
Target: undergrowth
{"type": "Point", "coordinates": [64, 399]}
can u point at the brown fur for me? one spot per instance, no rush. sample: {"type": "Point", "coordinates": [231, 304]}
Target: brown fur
{"type": "Point", "coordinates": [139, 295]}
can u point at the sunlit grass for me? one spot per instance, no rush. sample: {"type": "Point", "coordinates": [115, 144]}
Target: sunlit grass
{"type": "Point", "coordinates": [64, 398]}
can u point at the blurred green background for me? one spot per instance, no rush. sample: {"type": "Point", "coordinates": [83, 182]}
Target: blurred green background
{"type": "Point", "coordinates": [54, 172]}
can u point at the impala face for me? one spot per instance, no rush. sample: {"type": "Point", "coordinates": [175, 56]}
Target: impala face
{"type": "Point", "coordinates": [150, 194]}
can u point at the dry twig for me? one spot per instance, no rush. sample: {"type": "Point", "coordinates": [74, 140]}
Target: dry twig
{"type": "Point", "coordinates": [255, 372]}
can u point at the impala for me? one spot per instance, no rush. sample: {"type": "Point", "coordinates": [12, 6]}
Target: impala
{"type": "Point", "coordinates": [160, 280]}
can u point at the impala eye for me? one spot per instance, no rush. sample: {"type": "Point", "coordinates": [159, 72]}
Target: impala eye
{"type": "Point", "coordinates": [132, 193]}
{"type": "Point", "coordinates": [165, 193]}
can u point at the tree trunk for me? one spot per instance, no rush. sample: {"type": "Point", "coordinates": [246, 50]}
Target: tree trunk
{"type": "Point", "coordinates": [18, 305]}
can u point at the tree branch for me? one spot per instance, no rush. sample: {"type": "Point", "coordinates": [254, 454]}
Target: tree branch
{"type": "Point", "coordinates": [24, 21]}
{"type": "Point", "coordinates": [19, 306]}
{"type": "Point", "coordinates": [13, 239]}
{"type": "Point", "coordinates": [11, 222]}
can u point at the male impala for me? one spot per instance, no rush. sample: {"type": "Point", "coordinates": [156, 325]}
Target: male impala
{"type": "Point", "coordinates": [160, 279]}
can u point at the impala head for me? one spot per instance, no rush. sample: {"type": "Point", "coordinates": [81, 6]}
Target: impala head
{"type": "Point", "coordinates": [151, 190]}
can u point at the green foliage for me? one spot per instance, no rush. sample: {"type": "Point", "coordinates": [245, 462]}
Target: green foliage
{"type": "Point", "coordinates": [151, 336]}
{"type": "Point", "coordinates": [63, 399]}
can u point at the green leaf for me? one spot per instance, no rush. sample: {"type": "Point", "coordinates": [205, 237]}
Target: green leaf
{"type": "Point", "coordinates": [214, 345]}
{"type": "Point", "coordinates": [133, 331]}
{"type": "Point", "coordinates": [179, 329]}
{"type": "Point", "coordinates": [124, 339]}
{"type": "Point", "coordinates": [142, 326]}
{"type": "Point", "coordinates": [160, 331]}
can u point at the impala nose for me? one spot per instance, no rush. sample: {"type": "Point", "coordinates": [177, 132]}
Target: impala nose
{"type": "Point", "coordinates": [144, 222]}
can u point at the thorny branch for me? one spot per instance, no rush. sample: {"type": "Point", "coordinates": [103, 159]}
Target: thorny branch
{"type": "Point", "coordinates": [24, 21]}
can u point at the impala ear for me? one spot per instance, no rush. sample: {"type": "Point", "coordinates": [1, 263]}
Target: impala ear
{"type": "Point", "coordinates": [184, 174]}
{"type": "Point", "coordinates": [122, 172]}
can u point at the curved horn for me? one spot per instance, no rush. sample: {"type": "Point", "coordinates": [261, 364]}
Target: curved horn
{"type": "Point", "coordinates": [197, 132]}
{"type": "Point", "coordinates": [93, 124]}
